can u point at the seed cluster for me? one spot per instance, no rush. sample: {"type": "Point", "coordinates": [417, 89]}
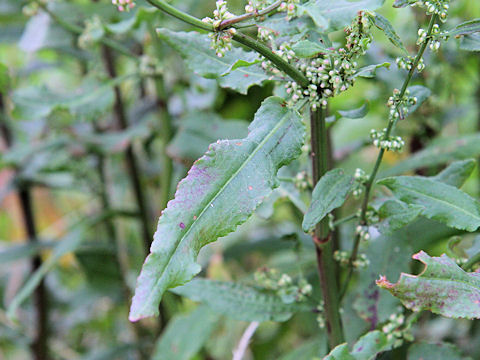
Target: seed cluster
{"type": "Point", "coordinates": [389, 143]}
{"type": "Point", "coordinates": [361, 179]}
{"type": "Point", "coordinates": [363, 232]}
{"type": "Point", "coordinates": [343, 258]}
{"type": "Point", "coordinates": [283, 285]}
{"type": "Point", "coordinates": [438, 7]}
{"type": "Point", "coordinates": [407, 63]}
{"type": "Point", "coordinates": [221, 40]}
{"type": "Point", "coordinates": [333, 73]}
{"type": "Point", "coordinates": [394, 331]}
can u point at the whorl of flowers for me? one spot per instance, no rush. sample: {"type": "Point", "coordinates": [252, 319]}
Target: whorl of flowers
{"type": "Point", "coordinates": [221, 39]}
{"type": "Point", "coordinates": [438, 7]}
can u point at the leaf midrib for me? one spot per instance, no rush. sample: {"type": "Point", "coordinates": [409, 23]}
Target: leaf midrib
{"type": "Point", "coordinates": [216, 195]}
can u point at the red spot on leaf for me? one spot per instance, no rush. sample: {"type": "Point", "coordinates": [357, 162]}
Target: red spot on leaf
{"type": "Point", "coordinates": [245, 75]}
{"type": "Point", "coordinates": [250, 188]}
{"type": "Point", "coordinates": [182, 225]}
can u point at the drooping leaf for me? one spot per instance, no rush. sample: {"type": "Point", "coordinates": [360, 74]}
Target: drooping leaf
{"type": "Point", "coordinates": [308, 49]}
{"type": "Point", "coordinates": [240, 301]}
{"type": "Point", "coordinates": [336, 14]}
{"type": "Point", "coordinates": [440, 152]}
{"type": "Point", "coordinates": [370, 71]}
{"type": "Point", "coordinates": [358, 113]}
{"type": "Point", "coordinates": [221, 191]}
{"type": "Point", "coordinates": [201, 59]}
{"type": "Point", "coordinates": [185, 335]}
{"type": "Point", "coordinates": [329, 193]}
{"type": "Point", "coordinates": [198, 130]}
{"type": "Point", "coordinates": [456, 173]}
{"type": "Point", "coordinates": [441, 202]}
{"type": "Point", "coordinates": [466, 28]}
{"type": "Point", "coordinates": [366, 348]}
{"type": "Point", "coordinates": [442, 288]}
{"type": "Point", "coordinates": [383, 24]}
{"type": "Point", "coordinates": [436, 351]}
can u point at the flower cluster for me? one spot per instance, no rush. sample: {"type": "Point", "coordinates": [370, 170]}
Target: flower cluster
{"type": "Point", "coordinates": [343, 258]}
{"type": "Point", "coordinates": [390, 143]}
{"type": "Point", "coordinates": [438, 7]}
{"type": "Point", "coordinates": [283, 285]}
{"type": "Point", "coordinates": [301, 181]}
{"type": "Point", "coordinates": [334, 72]}
{"type": "Point", "coordinates": [320, 310]}
{"type": "Point", "coordinates": [92, 33]}
{"type": "Point", "coordinates": [124, 5]}
{"type": "Point", "coordinates": [221, 39]}
{"type": "Point", "coordinates": [399, 106]}
{"type": "Point", "coordinates": [361, 179]}
{"type": "Point", "coordinates": [408, 62]}
{"type": "Point", "coordinates": [290, 6]}
{"type": "Point", "coordinates": [394, 331]}
{"type": "Point", "coordinates": [363, 232]}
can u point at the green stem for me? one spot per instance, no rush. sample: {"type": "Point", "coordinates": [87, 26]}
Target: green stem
{"type": "Point", "coordinates": [471, 262]}
{"type": "Point", "coordinates": [344, 220]}
{"type": "Point", "coordinates": [322, 235]}
{"type": "Point", "coordinates": [251, 43]}
{"type": "Point", "coordinates": [390, 128]}
{"type": "Point", "coordinates": [235, 20]}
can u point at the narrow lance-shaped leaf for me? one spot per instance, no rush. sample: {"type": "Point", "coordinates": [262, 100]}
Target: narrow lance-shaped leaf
{"type": "Point", "coordinates": [441, 202]}
{"type": "Point", "coordinates": [329, 194]}
{"type": "Point", "coordinates": [358, 113]}
{"type": "Point", "coordinates": [443, 288]}
{"type": "Point", "coordinates": [220, 192]}
{"type": "Point", "coordinates": [383, 24]}
{"type": "Point", "coordinates": [241, 301]}
{"type": "Point", "coordinates": [466, 28]}
{"type": "Point", "coordinates": [237, 70]}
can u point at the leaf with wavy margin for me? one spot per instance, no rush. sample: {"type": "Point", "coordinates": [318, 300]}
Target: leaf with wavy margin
{"type": "Point", "coordinates": [220, 192]}
{"type": "Point", "coordinates": [442, 288]}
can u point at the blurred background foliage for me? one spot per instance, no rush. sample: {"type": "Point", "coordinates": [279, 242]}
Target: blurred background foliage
{"type": "Point", "coordinates": [99, 122]}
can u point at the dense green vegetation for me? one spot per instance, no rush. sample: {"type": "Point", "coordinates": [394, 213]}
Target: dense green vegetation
{"type": "Point", "coordinates": [276, 166]}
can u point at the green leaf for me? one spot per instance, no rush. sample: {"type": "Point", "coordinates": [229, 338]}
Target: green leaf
{"type": "Point", "coordinates": [329, 193]}
{"type": "Point", "coordinates": [442, 288]}
{"type": "Point", "coordinates": [308, 49]}
{"type": "Point", "coordinates": [383, 24]}
{"type": "Point", "coordinates": [336, 14]}
{"type": "Point", "coordinates": [396, 214]}
{"type": "Point", "coordinates": [436, 351]}
{"type": "Point", "coordinates": [358, 113]}
{"type": "Point", "coordinates": [456, 173]}
{"type": "Point", "coordinates": [201, 59]}
{"type": "Point", "coordinates": [185, 335]}
{"type": "Point", "coordinates": [366, 348]}
{"type": "Point", "coordinates": [403, 3]}
{"type": "Point", "coordinates": [370, 71]}
{"type": "Point", "coordinates": [220, 192]}
{"type": "Point", "coordinates": [308, 350]}
{"type": "Point", "coordinates": [466, 28]}
{"type": "Point", "coordinates": [199, 130]}
{"type": "Point", "coordinates": [470, 42]}
{"type": "Point", "coordinates": [141, 15]}
{"type": "Point", "coordinates": [441, 202]}
{"type": "Point", "coordinates": [421, 93]}
{"type": "Point", "coordinates": [440, 152]}
{"type": "Point", "coordinates": [240, 301]}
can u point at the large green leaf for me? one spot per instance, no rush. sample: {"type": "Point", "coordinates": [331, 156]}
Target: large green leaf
{"type": "Point", "coordinates": [329, 193]}
{"type": "Point", "coordinates": [366, 348]}
{"type": "Point", "coordinates": [185, 335]}
{"type": "Point", "coordinates": [307, 49]}
{"type": "Point", "coordinates": [335, 14]}
{"type": "Point", "coordinates": [456, 173]}
{"type": "Point", "coordinates": [439, 152]}
{"type": "Point", "coordinates": [436, 351]}
{"type": "Point", "coordinates": [441, 202]}
{"type": "Point", "coordinates": [221, 191]}
{"type": "Point", "coordinates": [241, 301]}
{"type": "Point", "coordinates": [201, 59]}
{"type": "Point", "coordinates": [443, 288]}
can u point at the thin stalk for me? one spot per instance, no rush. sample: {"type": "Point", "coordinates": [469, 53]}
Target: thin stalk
{"type": "Point", "coordinates": [131, 160]}
{"type": "Point", "coordinates": [322, 236]}
{"type": "Point", "coordinates": [344, 220]}
{"type": "Point", "coordinates": [39, 346]}
{"type": "Point", "coordinates": [235, 20]}
{"type": "Point", "coordinates": [471, 262]}
{"type": "Point", "coordinates": [249, 42]}
{"type": "Point", "coordinates": [388, 132]}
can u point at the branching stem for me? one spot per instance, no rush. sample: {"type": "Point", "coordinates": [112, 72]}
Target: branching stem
{"type": "Point", "coordinates": [388, 132]}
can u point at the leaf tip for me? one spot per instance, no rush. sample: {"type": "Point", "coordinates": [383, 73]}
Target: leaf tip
{"type": "Point", "coordinates": [384, 283]}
